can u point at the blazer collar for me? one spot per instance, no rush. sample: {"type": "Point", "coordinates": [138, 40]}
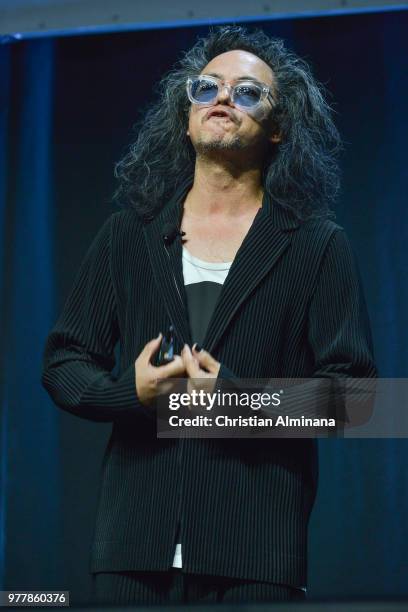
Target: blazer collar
{"type": "Point", "coordinates": [261, 249]}
{"type": "Point", "coordinates": [282, 218]}
{"type": "Point", "coordinates": [172, 212]}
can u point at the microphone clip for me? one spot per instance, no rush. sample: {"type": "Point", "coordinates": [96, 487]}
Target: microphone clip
{"type": "Point", "coordinates": [170, 233]}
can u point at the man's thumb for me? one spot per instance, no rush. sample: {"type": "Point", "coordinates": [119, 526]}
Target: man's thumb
{"type": "Point", "coordinates": [205, 359]}
{"type": "Point", "coordinates": [152, 346]}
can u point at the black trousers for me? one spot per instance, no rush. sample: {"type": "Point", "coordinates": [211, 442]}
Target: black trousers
{"type": "Point", "coordinates": [174, 587]}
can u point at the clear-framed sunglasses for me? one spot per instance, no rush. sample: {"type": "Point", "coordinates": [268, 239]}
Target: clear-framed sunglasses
{"type": "Point", "coordinates": [245, 94]}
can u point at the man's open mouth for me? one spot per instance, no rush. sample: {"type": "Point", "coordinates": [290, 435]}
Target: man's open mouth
{"type": "Point", "coordinates": [220, 114]}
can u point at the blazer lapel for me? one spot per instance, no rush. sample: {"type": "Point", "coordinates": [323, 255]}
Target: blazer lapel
{"type": "Point", "coordinates": [263, 246]}
{"type": "Point", "coordinates": [167, 264]}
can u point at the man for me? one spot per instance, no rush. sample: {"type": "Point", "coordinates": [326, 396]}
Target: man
{"type": "Point", "coordinates": [239, 153]}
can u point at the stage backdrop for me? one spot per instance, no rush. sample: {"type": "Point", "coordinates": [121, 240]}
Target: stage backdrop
{"type": "Point", "coordinates": [67, 106]}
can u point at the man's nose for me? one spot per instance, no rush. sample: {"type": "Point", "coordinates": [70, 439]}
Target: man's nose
{"type": "Point", "coordinates": [224, 94]}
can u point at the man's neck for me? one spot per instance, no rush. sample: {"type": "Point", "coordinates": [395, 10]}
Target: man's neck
{"type": "Point", "coordinates": [223, 191]}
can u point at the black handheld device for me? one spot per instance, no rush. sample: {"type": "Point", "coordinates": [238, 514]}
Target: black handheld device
{"type": "Point", "coordinates": [166, 352]}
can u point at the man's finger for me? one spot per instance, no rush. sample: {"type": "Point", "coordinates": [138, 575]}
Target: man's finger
{"type": "Point", "coordinates": [151, 347]}
{"type": "Point", "coordinates": [173, 368]}
{"type": "Point", "coordinates": [206, 360]}
{"type": "Point", "coordinates": [192, 367]}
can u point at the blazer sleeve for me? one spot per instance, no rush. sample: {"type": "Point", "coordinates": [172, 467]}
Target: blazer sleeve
{"type": "Point", "coordinates": [339, 336]}
{"type": "Point", "coordinates": [79, 353]}
{"type": "Point", "coordinates": [339, 330]}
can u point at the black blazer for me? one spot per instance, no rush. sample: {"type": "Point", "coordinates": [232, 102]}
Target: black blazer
{"type": "Point", "coordinates": [291, 306]}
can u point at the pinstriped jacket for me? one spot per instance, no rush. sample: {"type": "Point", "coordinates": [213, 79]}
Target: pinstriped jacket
{"type": "Point", "coordinates": [291, 306]}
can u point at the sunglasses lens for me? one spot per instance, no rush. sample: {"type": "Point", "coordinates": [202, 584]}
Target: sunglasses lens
{"type": "Point", "coordinates": [204, 90]}
{"type": "Point", "coordinates": [247, 95]}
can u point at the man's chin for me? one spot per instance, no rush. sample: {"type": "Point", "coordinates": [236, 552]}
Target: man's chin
{"type": "Point", "coordinates": [219, 144]}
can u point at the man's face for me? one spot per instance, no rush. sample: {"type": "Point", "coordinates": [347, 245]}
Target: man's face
{"type": "Point", "coordinates": [236, 129]}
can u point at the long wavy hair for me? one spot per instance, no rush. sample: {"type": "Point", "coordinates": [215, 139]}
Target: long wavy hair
{"type": "Point", "coordinates": [301, 173]}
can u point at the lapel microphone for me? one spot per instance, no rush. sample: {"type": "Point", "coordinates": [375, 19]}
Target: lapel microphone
{"type": "Point", "coordinates": [170, 232]}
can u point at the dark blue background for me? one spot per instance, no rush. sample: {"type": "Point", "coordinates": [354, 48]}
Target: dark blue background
{"type": "Point", "coordinates": [67, 106]}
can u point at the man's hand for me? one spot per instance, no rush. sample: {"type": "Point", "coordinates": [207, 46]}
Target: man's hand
{"type": "Point", "coordinates": [147, 375]}
{"type": "Point", "coordinates": [201, 367]}
{"type": "Point", "coordinates": [199, 364]}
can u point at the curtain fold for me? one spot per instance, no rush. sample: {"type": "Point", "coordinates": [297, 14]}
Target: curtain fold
{"type": "Point", "coordinates": [30, 437]}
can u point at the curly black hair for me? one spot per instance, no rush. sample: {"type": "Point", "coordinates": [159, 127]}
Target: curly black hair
{"type": "Point", "coordinates": [301, 173]}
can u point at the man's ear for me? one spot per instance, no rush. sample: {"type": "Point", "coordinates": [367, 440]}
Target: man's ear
{"type": "Point", "coordinates": [276, 137]}
{"type": "Point", "coordinates": [273, 130]}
